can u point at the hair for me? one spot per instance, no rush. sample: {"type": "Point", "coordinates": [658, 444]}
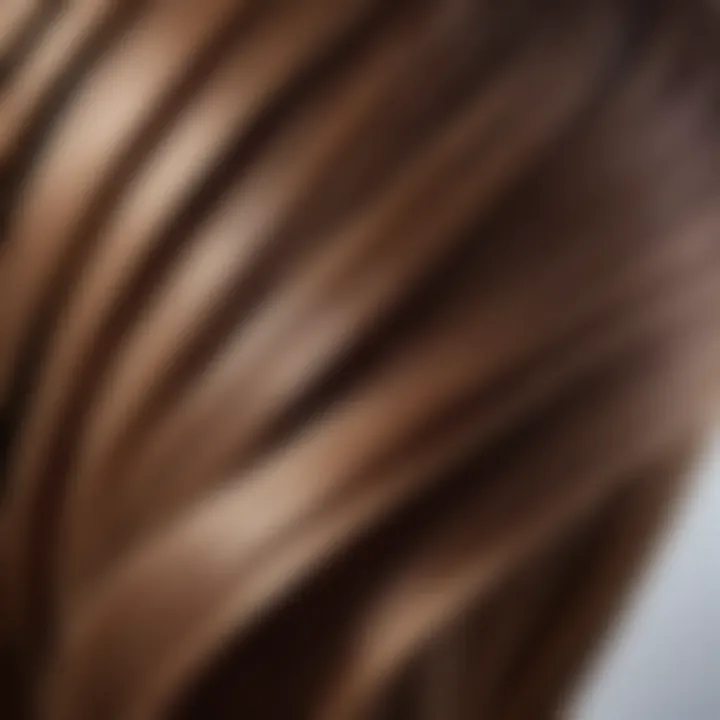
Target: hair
{"type": "Point", "coordinates": [351, 352]}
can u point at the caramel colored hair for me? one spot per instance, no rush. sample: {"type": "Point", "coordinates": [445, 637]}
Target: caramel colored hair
{"type": "Point", "coordinates": [351, 352]}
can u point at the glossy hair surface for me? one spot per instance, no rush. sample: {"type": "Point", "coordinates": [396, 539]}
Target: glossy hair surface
{"type": "Point", "coordinates": [351, 352]}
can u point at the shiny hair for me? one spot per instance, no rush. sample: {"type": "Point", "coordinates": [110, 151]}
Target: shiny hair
{"type": "Point", "coordinates": [351, 352]}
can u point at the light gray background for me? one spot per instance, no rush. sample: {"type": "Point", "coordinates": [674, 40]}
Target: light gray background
{"type": "Point", "coordinates": [663, 662]}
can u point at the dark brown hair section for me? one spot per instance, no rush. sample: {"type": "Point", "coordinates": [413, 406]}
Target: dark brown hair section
{"type": "Point", "coordinates": [351, 353]}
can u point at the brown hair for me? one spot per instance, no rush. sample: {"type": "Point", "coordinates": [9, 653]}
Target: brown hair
{"type": "Point", "coordinates": [350, 351]}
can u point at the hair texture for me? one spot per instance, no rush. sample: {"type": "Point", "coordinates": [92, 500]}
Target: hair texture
{"type": "Point", "coordinates": [351, 351]}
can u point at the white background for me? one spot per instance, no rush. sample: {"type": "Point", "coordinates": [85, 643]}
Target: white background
{"type": "Point", "coordinates": [663, 661]}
